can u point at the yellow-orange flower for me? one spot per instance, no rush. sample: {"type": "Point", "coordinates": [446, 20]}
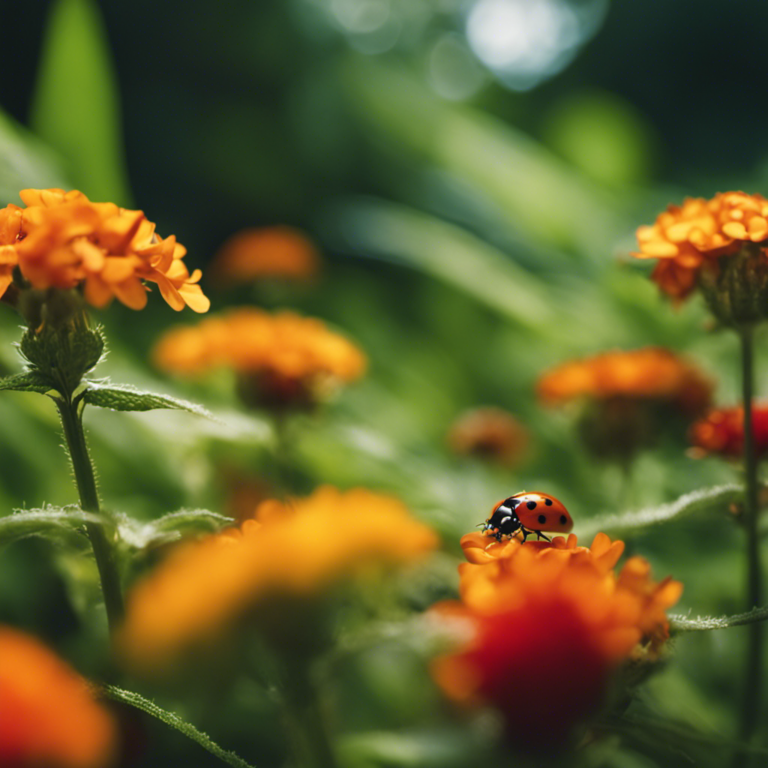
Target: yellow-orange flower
{"type": "Point", "coordinates": [252, 254]}
{"type": "Point", "coordinates": [280, 358]}
{"type": "Point", "coordinates": [489, 433]}
{"type": "Point", "coordinates": [548, 625]}
{"type": "Point", "coordinates": [651, 373]}
{"type": "Point", "coordinates": [691, 237]}
{"type": "Point", "coordinates": [63, 240]}
{"type": "Point", "coordinates": [48, 717]}
{"type": "Point", "coordinates": [298, 548]}
{"type": "Point", "coordinates": [721, 432]}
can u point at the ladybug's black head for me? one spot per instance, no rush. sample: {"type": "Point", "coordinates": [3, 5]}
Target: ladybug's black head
{"type": "Point", "coordinates": [504, 520]}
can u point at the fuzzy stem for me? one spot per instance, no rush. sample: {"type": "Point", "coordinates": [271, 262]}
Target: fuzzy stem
{"type": "Point", "coordinates": [753, 670]}
{"type": "Point", "coordinates": [170, 718]}
{"type": "Point", "coordinates": [74, 436]}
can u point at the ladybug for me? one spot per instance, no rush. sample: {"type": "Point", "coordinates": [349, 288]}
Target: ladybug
{"type": "Point", "coordinates": [528, 513]}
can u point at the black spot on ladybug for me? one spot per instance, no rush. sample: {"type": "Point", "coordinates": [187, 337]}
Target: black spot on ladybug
{"type": "Point", "coordinates": [563, 519]}
{"type": "Point", "coordinates": [531, 505]}
{"type": "Point", "coordinates": [548, 502]}
{"type": "Point", "coordinates": [542, 519]}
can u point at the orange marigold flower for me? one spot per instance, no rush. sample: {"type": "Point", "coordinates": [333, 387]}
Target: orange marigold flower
{"type": "Point", "coordinates": [296, 548]}
{"type": "Point", "coordinates": [689, 238]}
{"type": "Point", "coordinates": [549, 624]}
{"type": "Point", "coordinates": [651, 373]}
{"type": "Point", "coordinates": [281, 359]}
{"type": "Point", "coordinates": [63, 240]}
{"type": "Point", "coordinates": [252, 254]}
{"type": "Point", "coordinates": [721, 432]}
{"type": "Point", "coordinates": [489, 433]}
{"type": "Point", "coordinates": [48, 717]}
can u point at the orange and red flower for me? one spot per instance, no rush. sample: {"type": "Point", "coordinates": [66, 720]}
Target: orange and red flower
{"type": "Point", "coordinates": [548, 625]}
{"type": "Point", "coordinates": [489, 433]}
{"type": "Point", "coordinates": [689, 238]}
{"type": "Point", "coordinates": [252, 254]}
{"type": "Point", "coordinates": [721, 432]}
{"type": "Point", "coordinates": [63, 240]}
{"type": "Point", "coordinates": [48, 717]}
{"type": "Point", "coordinates": [281, 359]}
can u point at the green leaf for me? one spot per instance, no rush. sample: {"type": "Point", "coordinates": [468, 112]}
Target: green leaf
{"type": "Point", "coordinates": [25, 162]}
{"type": "Point", "coordinates": [170, 527]}
{"type": "Point", "coordinates": [687, 624]}
{"type": "Point", "coordinates": [544, 196]}
{"type": "Point", "coordinates": [696, 502]}
{"type": "Point", "coordinates": [30, 381]}
{"type": "Point", "coordinates": [451, 254]}
{"type": "Point", "coordinates": [126, 398]}
{"type": "Point", "coordinates": [75, 107]}
{"type": "Point", "coordinates": [50, 522]}
{"type": "Point", "coordinates": [134, 699]}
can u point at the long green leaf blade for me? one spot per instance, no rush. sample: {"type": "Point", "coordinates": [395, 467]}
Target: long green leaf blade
{"type": "Point", "coordinates": [75, 107]}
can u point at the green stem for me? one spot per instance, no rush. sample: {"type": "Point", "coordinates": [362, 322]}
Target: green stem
{"type": "Point", "coordinates": [169, 718]}
{"type": "Point", "coordinates": [753, 672]}
{"type": "Point", "coordinates": [74, 436]}
{"type": "Point", "coordinates": [304, 718]}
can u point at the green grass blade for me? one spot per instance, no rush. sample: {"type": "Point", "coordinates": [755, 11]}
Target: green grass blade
{"type": "Point", "coordinates": [76, 107]}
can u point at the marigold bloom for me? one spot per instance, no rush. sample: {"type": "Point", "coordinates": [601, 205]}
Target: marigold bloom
{"type": "Point", "coordinates": [251, 254]}
{"type": "Point", "coordinates": [651, 373]}
{"type": "Point", "coordinates": [549, 624]}
{"type": "Point", "coordinates": [690, 238]}
{"type": "Point", "coordinates": [721, 432]}
{"type": "Point", "coordinates": [63, 240]}
{"type": "Point", "coordinates": [47, 714]}
{"type": "Point", "coordinates": [299, 548]}
{"type": "Point", "coordinates": [280, 358]}
{"type": "Point", "coordinates": [489, 433]}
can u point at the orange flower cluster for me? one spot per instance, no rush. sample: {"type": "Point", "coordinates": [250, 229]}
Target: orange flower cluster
{"type": "Point", "coordinates": [63, 240]}
{"type": "Point", "coordinates": [253, 254]}
{"type": "Point", "coordinates": [691, 237]}
{"type": "Point", "coordinates": [721, 432]}
{"type": "Point", "coordinates": [651, 373]}
{"type": "Point", "coordinates": [489, 433]}
{"type": "Point", "coordinates": [47, 715]}
{"type": "Point", "coordinates": [284, 357]}
{"type": "Point", "coordinates": [298, 548]}
{"type": "Point", "coordinates": [549, 624]}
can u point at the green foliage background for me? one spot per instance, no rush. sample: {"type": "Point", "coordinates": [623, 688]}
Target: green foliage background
{"type": "Point", "coordinates": [468, 245]}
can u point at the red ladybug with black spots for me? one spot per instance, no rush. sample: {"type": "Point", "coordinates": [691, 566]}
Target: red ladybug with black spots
{"type": "Point", "coordinates": [528, 513]}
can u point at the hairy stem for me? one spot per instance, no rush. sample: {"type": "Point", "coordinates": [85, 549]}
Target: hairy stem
{"type": "Point", "coordinates": [753, 671]}
{"type": "Point", "coordinates": [74, 436]}
{"type": "Point", "coordinates": [173, 720]}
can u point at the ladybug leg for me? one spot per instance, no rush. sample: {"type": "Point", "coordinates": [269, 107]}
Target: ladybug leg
{"type": "Point", "coordinates": [540, 536]}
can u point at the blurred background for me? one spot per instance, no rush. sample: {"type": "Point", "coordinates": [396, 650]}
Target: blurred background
{"type": "Point", "coordinates": [471, 173]}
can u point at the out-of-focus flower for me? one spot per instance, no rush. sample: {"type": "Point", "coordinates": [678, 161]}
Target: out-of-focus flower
{"type": "Point", "coordinates": [489, 433]}
{"type": "Point", "coordinates": [721, 432]}
{"type": "Point", "coordinates": [281, 359]}
{"type": "Point", "coordinates": [696, 245]}
{"type": "Point", "coordinates": [253, 254]}
{"type": "Point", "coordinates": [48, 717]}
{"type": "Point", "coordinates": [63, 240]}
{"type": "Point", "coordinates": [628, 397]}
{"type": "Point", "coordinates": [298, 549]}
{"type": "Point", "coordinates": [549, 624]}
{"type": "Point", "coordinates": [651, 373]}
